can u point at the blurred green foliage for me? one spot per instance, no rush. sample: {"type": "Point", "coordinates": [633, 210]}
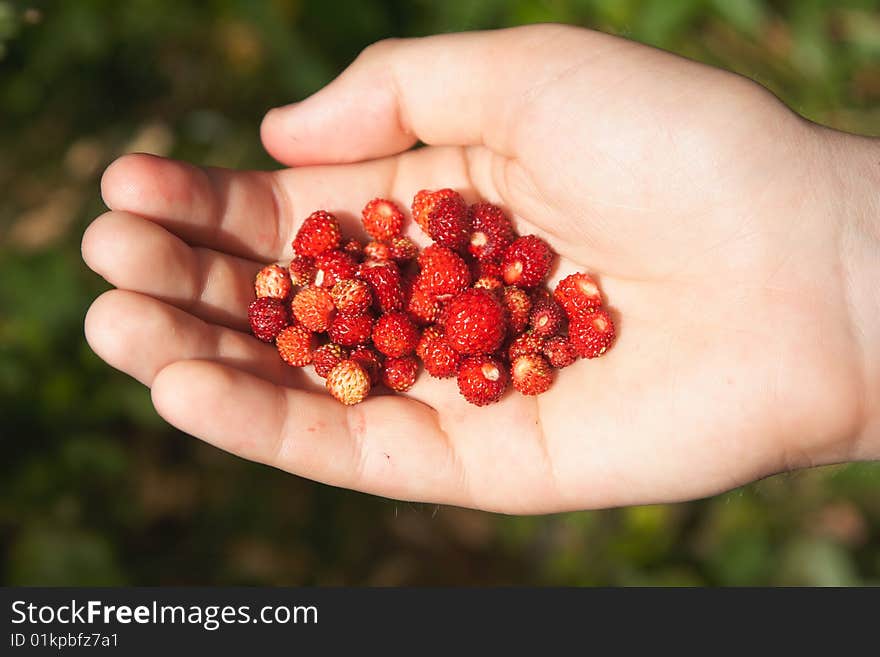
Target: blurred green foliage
{"type": "Point", "coordinates": [95, 488]}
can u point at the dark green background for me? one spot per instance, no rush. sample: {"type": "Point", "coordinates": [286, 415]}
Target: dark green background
{"type": "Point", "coordinates": [95, 488]}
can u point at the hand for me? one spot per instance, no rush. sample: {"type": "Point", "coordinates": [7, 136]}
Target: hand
{"type": "Point", "coordinates": [726, 232]}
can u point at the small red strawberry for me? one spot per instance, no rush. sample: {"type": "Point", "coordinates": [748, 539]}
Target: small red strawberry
{"type": "Point", "coordinates": [351, 331]}
{"type": "Point", "coordinates": [449, 223]}
{"type": "Point", "coordinates": [423, 307]}
{"type": "Point", "coordinates": [531, 374]}
{"type": "Point", "coordinates": [546, 318]}
{"type": "Point", "coordinates": [527, 261]}
{"type": "Point", "coordinates": [578, 294]}
{"type": "Point", "coordinates": [319, 233]}
{"type": "Point", "coordinates": [592, 333]}
{"type": "Point", "coordinates": [424, 202]}
{"type": "Point", "coordinates": [527, 343]}
{"type": "Point", "coordinates": [443, 271]}
{"type": "Point", "coordinates": [491, 232]}
{"type": "Point", "coordinates": [385, 281]}
{"type": "Point", "coordinates": [302, 271]}
{"type": "Point", "coordinates": [475, 322]}
{"type": "Point", "coordinates": [395, 335]}
{"type": "Point", "coordinates": [272, 281]}
{"type": "Point", "coordinates": [482, 379]}
{"type": "Point", "coordinates": [267, 316]}
{"type": "Point", "coordinates": [377, 251]}
{"type": "Point", "coordinates": [400, 373]}
{"type": "Point", "coordinates": [333, 266]}
{"type": "Point", "coordinates": [486, 268]}
{"type": "Point", "coordinates": [353, 248]}
{"type": "Point", "coordinates": [348, 382]}
{"type": "Point", "coordinates": [438, 356]}
{"type": "Point", "coordinates": [382, 219]}
{"type": "Point", "coordinates": [294, 345]}
{"type": "Point", "coordinates": [352, 297]}
{"type": "Point", "coordinates": [326, 357]}
{"type": "Point", "coordinates": [370, 360]}
{"type": "Point", "coordinates": [559, 352]}
{"type": "Point", "coordinates": [313, 308]}
{"type": "Point", "coordinates": [518, 306]}
{"type": "Point", "coordinates": [403, 249]}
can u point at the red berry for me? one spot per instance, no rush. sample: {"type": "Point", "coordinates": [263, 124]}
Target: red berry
{"type": "Point", "coordinates": [351, 297]}
{"type": "Point", "coordinates": [531, 374]}
{"type": "Point", "coordinates": [403, 249]}
{"type": "Point", "coordinates": [351, 331]}
{"type": "Point", "coordinates": [423, 307]}
{"type": "Point", "coordinates": [449, 223]}
{"type": "Point", "coordinates": [424, 202]}
{"type": "Point", "coordinates": [546, 318]}
{"type": "Point", "coordinates": [348, 382]}
{"type": "Point", "coordinates": [438, 356]}
{"type": "Point", "coordinates": [482, 379]}
{"type": "Point", "coordinates": [475, 322]}
{"type": "Point", "coordinates": [527, 343]}
{"type": "Point", "coordinates": [527, 262]}
{"type": "Point", "coordinates": [301, 270]}
{"type": "Point", "coordinates": [313, 308]}
{"type": "Point", "coordinates": [395, 335]}
{"type": "Point", "coordinates": [333, 266]}
{"type": "Point", "coordinates": [267, 316]}
{"type": "Point", "coordinates": [559, 352]}
{"type": "Point", "coordinates": [385, 281]}
{"type": "Point", "coordinates": [443, 271]}
{"type": "Point", "coordinates": [326, 357]}
{"type": "Point", "coordinates": [518, 306]}
{"type": "Point", "coordinates": [591, 333]}
{"type": "Point", "coordinates": [295, 345]}
{"type": "Point", "coordinates": [382, 219]}
{"type": "Point", "coordinates": [272, 281]}
{"type": "Point", "coordinates": [370, 360]}
{"type": "Point", "coordinates": [353, 248]}
{"type": "Point", "coordinates": [578, 294]}
{"type": "Point", "coordinates": [400, 373]}
{"type": "Point", "coordinates": [491, 232]}
{"type": "Point", "coordinates": [486, 269]}
{"type": "Point", "coordinates": [377, 251]}
{"type": "Point", "coordinates": [319, 233]}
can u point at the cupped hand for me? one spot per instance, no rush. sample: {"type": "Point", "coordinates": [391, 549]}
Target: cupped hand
{"type": "Point", "coordinates": [707, 210]}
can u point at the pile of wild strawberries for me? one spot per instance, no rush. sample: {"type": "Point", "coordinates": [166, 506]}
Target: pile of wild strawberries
{"type": "Point", "coordinates": [471, 305]}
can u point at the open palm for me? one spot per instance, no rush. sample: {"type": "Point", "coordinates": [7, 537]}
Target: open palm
{"type": "Point", "coordinates": [692, 194]}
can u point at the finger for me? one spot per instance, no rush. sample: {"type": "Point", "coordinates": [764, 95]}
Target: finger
{"type": "Point", "coordinates": [140, 335]}
{"type": "Point", "coordinates": [453, 89]}
{"type": "Point", "coordinates": [387, 446]}
{"type": "Point", "coordinates": [135, 254]}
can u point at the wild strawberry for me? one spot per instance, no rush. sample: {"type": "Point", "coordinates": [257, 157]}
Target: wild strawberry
{"type": "Point", "coordinates": [491, 232]}
{"type": "Point", "coordinates": [531, 374]}
{"type": "Point", "coordinates": [395, 335]}
{"type": "Point", "coordinates": [377, 251]}
{"type": "Point", "coordinates": [591, 333]}
{"type": "Point", "coordinates": [403, 249]}
{"type": "Point", "coordinates": [486, 269]}
{"type": "Point", "coordinates": [527, 261]}
{"type": "Point", "coordinates": [294, 345]}
{"type": "Point", "coordinates": [482, 379]}
{"type": "Point", "coordinates": [353, 248]}
{"type": "Point", "coordinates": [578, 294]}
{"type": "Point", "coordinates": [333, 266]}
{"type": "Point", "coordinates": [424, 202]}
{"type": "Point", "coordinates": [319, 233]}
{"type": "Point", "coordinates": [443, 271]}
{"type": "Point", "coordinates": [439, 358]}
{"type": "Point", "coordinates": [449, 223]}
{"type": "Point", "coordinates": [384, 279]}
{"type": "Point", "coordinates": [313, 308]}
{"type": "Point", "coordinates": [423, 307]}
{"type": "Point", "coordinates": [370, 360]}
{"type": "Point", "coordinates": [301, 270]}
{"type": "Point", "coordinates": [518, 306]}
{"type": "Point", "coordinates": [272, 281]}
{"type": "Point", "coordinates": [267, 316]}
{"type": "Point", "coordinates": [348, 382]}
{"type": "Point", "coordinates": [546, 318]}
{"type": "Point", "coordinates": [527, 343]}
{"type": "Point", "coordinates": [351, 297]}
{"type": "Point", "coordinates": [382, 219]}
{"type": "Point", "coordinates": [559, 352]}
{"type": "Point", "coordinates": [489, 283]}
{"type": "Point", "coordinates": [326, 357]}
{"type": "Point", "coordinates": [400, 373]}
{"type": "Point", "coordinates": [351, 331]}
{"type": "Point", "coordinates": [475, 322]}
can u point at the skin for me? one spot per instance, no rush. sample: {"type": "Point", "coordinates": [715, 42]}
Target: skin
{"type": "Point", "coordinates": [738, 246]}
